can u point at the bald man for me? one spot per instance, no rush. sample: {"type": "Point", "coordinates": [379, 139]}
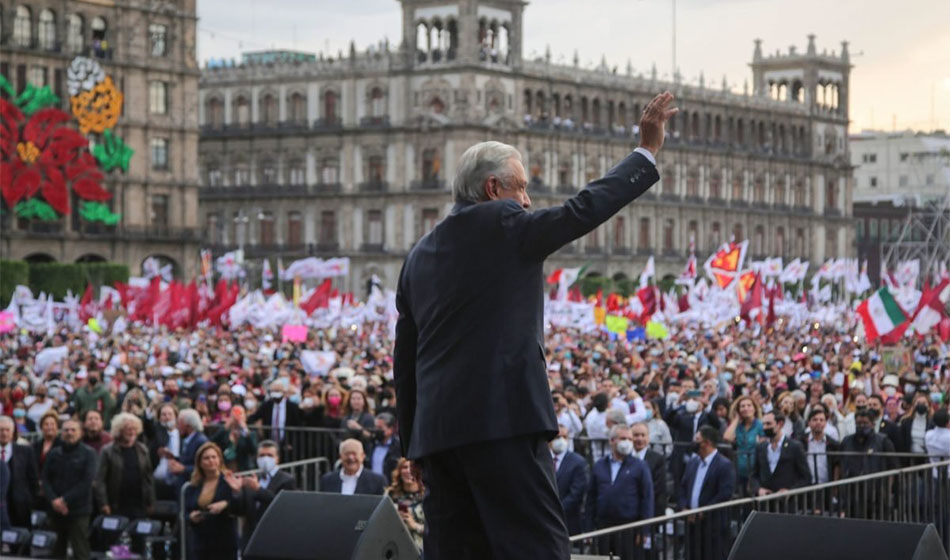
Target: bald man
{"type": "Point", "coordinates": [351, 478]}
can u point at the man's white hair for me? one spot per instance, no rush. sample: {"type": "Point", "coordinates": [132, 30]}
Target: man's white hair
{"type": "Point", "coordinates": [477, 164]}
{"type": "Point", "coordinates": [191, 418]}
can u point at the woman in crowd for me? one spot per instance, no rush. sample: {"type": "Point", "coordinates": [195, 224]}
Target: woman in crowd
{"type": "Point", "coordinates": [333, 397]}
{"type": "Point", "coordinates": [49, 427]}
{"type": "Point", "coordinates": [661, 440]}
{"type": "Point", "coordinates": [312, 408]}
{"type": "Point", "coordinates": [857, 401]}
{"type": "Point", "coordinates": [744, 431]}
{"type": "Point", "coordinates": [124, 481]}
{"type": "Point", "coordinates": [913, 425]}
{"type": "Point", "coordinates": [238, 444]}
{"type": "Point", "coordinates": [23, 424]}
{"type": "Point", "coordinates": [794, 424]}
{"type": "Point", "coordinates": [358, 419]}
{"type": "Point", "coordinates": [223, 406]}
{"type": "Point", "coordinates": [407, 493]}
{"type": "Point", "coordinates": [210, 505]}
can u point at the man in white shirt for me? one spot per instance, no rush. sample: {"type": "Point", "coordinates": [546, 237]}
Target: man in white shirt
{"type": "Point", "coordinates": [937, 439]}
{"type": "Point", "coordinates": [351, 478]}
{"type": "Point", "coordinates": [167, 445]}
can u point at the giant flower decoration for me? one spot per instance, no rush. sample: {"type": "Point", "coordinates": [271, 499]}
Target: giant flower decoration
{"type": "Point", "coordinates": [41, 155]}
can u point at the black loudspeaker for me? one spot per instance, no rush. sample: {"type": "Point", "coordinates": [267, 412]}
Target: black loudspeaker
{"type": "Point", "coordinates": [317, 526]}
{"type": "Point", "coordinates": [794, 537]}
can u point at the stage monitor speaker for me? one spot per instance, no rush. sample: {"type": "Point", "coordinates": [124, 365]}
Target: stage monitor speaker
{"type": "Point", "coordinates": [317, 526]}
{"type": "Point", "coordinates": [794, 537]}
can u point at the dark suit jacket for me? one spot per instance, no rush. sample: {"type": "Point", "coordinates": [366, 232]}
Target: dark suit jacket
{"type": "Point", "coordinates": [571, 485]}
{"type": "Point", "coordinates": [389, 461]}
{"type": "Point", "coordinates": [892, 431]}
{"type": "Point", "coordinates": [255, 503]}
{"type": "Point", "coordinates": [265, 413]}
{"type": "Point", "coordinates": [906, 439]}
{"type": "Point", "coordinates": [368, 483]}
{"type": "Point", "coordinates": [627, 498]}
{"type": "Point", "coordinates": [681, 426]}
{"type": "Point", "coordinates": [216, 536]}
{"type": "Point", "coordinates": [790, 472]}
{"type": "Point", "coordinates": [832, 446]}
{"type": "Point", "coordinates": [38, 450]}
{"type": "Point", "coordinates": [24, 484]}
{"type": "Point", "coordinates": [718, 486]}
{"type": "Point", "coordinates": [187, 456]}
{"type": "Point", "coordinates": [657, 464]}
{"type": "Point", "coordinates": [460, 345]}
{"type": "Point", "coordinates": [159, 440]}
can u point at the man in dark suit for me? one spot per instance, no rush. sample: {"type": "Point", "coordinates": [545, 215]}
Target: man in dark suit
{"type": "Point", "coordinates": [257, 492]}
{"type": "Point", "coordinates": [385, 451]}
{"type": "Point", "coordinates": [277, 412]}
{"type": "Point", "coordinates": [473, 397]}
{"type": "Point", "coordinates": [709, 479]}
{"type": "Point", "coordinates": [820, 450]}
{"type": "Point", "coordinates": [352, 478]}
{"type": "Point", "coordinates": [656, 462]}
{"type": "Point", "coordinates": [191, 430]}
{"type": "Point", "coordinates": [621, 491]}
{"type": "Point", "coordinates": [164, 447]}
{"type": "Point", "coordinates": [779, 462]}
{"type": "Point", "coordinates": [570, 471]}
{"type": "Point", "coordinates": [684, 422]}
{"type": "Point", "coordinates": [882, 425]}
{"type": "Point", "coordinates": [24, 484]}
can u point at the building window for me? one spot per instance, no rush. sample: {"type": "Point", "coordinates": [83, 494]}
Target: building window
{"type": "Point", "coordinates": [692, 184]}
{"type": "Point", "coordinates": [39, 76]}
{"type": "Point", "coordinates": [266, 229]}
{"type": "Point", "coordinates": [329, 172]}
{"type": "Point", "coordinates": [375, 218]}
{"type": "Point", "coordinates": [668, 235]}
{"type": "Point", "coordinates": [693, 231]}
{"type": "Point", "coordinates": [758, 243]}
{"type": "Point", "coordinates": [157, 35]}
{"type": "Point", "coordinates": [298, 108]}
{"type": "Point", "coordinates": [430, 165]}
{"type": "Point", "coordinates": [215, 229]}
{"type": "Point", "coordinates": [859, 230]}
{"type": "Point", "coordinates": [800, 242]}
{"type": "Point", "coordinates": [214, 112]}
{"type": "Point", "coordinates": [75, 41]}
{"type": "Point", "coordinates": [241, 175]}
{"type": "Point", "coordinates": [737, 233]}
{"type": "Point", "coordinates": [378, 102]}
{"type": "Point", "coordinates": [620, 232]}
{"type": "Point", "coordinates": [800, 194]}
{"type": "Point", "coordinates": [780, 241]}
{"type": "Point", "coordinates": [904, 156]}
{"type": "Point", "coordinates": [375, 169]}
{"type": "Point", "coordinates": [294, 229]}
{"type": "Point", "coordinates": [715, 236]}
{"type": "Point", "coordinates": [759, 190]}
{"type": "Point", "coordinates": [268, 110]}
{"type": "Point", "coordinates": [329, 106]}
{"type": "Point", "coordinates": [242, 111]}
{"type": "Point", "coordinates": [737, 188]}
{"type": "Point", "coordinates": [328, 226]}
{"type": "Point", "coordinates": [644, 241]}
{"type": "Point", "coordinates": [268, 173]}
{"type": "Point", "coordinates": [903, 181]}
{"type": "Point", "coordinates": [159, 153]}
{"type": "Point", "coordinates": [99, 44]}
{"type": "Point", "coordinates": [429, 217]}
{"type": "Point", "coordinates": [831, 194]}
{"type": "Point", "coordinates": [159, 210]}
{"type": "Point", "coordinates": [23, 27]}
{"type": "Point", "coordinates": [158, 98]}
{"type": "Point", "coordinates": [593, 241]}
{"type": "Point", "coordinates": [297, 173]}
{"type": "Point", "coordinates": [47, 30]}
{"type": "Point", "coordinates": [715, 186]}
{"type": "Point", "coordinates": [213, 175]}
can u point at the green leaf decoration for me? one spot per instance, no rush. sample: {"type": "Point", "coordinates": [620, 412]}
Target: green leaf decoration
{"type": "Point", "coordinates": [112, 152]}
{"type": "Point", "coordinates": [33, 99]}
{"type": "Point", "coordinates": [36, 208]}
{"type": "Point", "coordinates": [98, 212]}
{"type": "Point", "coordinates": [7, 87]}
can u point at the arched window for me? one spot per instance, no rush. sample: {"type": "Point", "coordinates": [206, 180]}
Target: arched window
{"type": "Point", "coordinates": [296, 172]}
{"type": "Point", "coordinates": [212, 174]}
{"type": "Point", "coordinates": [241, 111]}
{"type": "Point", "coordinates": [329, 171]}
{"type": "Point", "coordinates": [779, 241]}
{"type": "Point", "coordinates": [377, 101]}
{"type": "Point", "coordinates": [298, 108]}
{"type": "Point", "coordinates": [241, 174]}
{"type": "Point", "coordinates": [329, 106]}
{"type": "Point", "coordinates": [715, 186]}
{"type": "Point", "coordinates": [47, 30]}
{"type": "Point", "coordinates": [214, 112]}
{"type": "Point", "coordinates": [268, 172]}
{"type": "Point", "coordinates": [431, 165]}
{"type": "Point", "coordinates": [294, 229]}
{"type": "Point", "coordinates": [23, 27]}
{"type": "Point", "coordinates": [100, 44]}
{"type": "Point", "coordinates": [268, 110]}
{"type": "Point", "coordinates": [643, 243]}
{"type": "Point", "coordinates": [75, 41]}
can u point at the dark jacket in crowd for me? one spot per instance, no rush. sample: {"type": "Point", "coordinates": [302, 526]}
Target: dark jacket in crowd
{"type": "Point", "coordinates": [187, 456]}
{"type": "Point", "coordinates": [4, 488]}
{"type": "Point", "coordinates": [265, 414]}
{"type": "Point", "coordinates": [109, 477]}
{"type": "Point", "coordinates": [255, 503]}
{"type": "Point", "coordinates": [718, 486]}
{"type": "Point", "coordinates": [393, 453]}
{"type": "Point", "coordinates": [69, 472]}
{"type": "Point", "coordinates": [572, 483]}
{"type": "Point", "coordinates": [242, 453]}
{"type": "Point", "coordinates": [657, 464]}
{"type": "Point", "coordinates": [832, 447]}
{"type": "Point", "coordinates": [627, 498]}
{"type": "Point", "coordinates": [791, 471]}
{"type": "Point", "coordinates": [38, 450]}
{"type": "Point", "coordinates": [868, 459]}
{"type": "Point", "coordinates": [24, 485]}
{"type": "Point", "coordinates": [215, 537]}
{"type": "Point", "coordinates": [892, 431]}
{"type": "Point", "coordinates": [905, 428]}
{"type": "Point", "coordinates": [368, 483]}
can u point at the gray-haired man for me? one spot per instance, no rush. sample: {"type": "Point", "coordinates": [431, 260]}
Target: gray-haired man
{"type": "Point", "coordinates": [473, 397]}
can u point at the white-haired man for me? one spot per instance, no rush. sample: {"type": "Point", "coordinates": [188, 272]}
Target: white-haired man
{"type": "Point", "coordinates": [473, 399]}
{"type": "Point", "coordinates": [191, 431]}
{"type": "Point", "coordinates": [351, 478]}
{"type": "Point", "coordinates": [277, 413]}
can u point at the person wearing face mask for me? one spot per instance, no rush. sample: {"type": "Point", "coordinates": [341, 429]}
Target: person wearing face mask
{"type": "Point", "coordinates": [94, 395]}
{"type": "Point", "coordinates": [709, 479]}
{"type": "Point", "coordinates": [164, 447]}
{"type": "Point", "coordinates": [40, 404]}
{"type": "Point", "coordinates": [67, 480]}
{"type": "Point", "coordinates": [238, 444]}
{"type": "Point", "coordinates": [862, 456]}
{"type": "Point", "coordinates": [385, 450]}
{"type": "Point", "coordinates": [260, 489]}
{"type": "Point", "coordinates": [333, 413]}
{"type": "Point", "coordinates": [571, 472]}
{"type": "Point", "coordinates": [882, 425]}
{"type": "Point", "coordinates": [278, 413]}
{"type": "Point", "coordinates": [656, 462]}
{"type": "Point", "coordinates": [913, 429]}
{"type": "Point", "coordinates": [21, 494]}
{"type": "Point", "coordinates": [596, 425]}
{"type": "Point", "coordinates": [684, 422]}
{"type": "Point", "coordinates": [92, 433]}
{"type": "Point", "coordinates": [780, 463]}
{"type": "Point", "coordinates": [620, 491]}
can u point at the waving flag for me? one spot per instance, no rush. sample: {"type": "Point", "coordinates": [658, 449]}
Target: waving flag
{"type": "Point", "coordinates": [723, 266]}
{"type": "Point", "coordinates": [880, 314]}
{"type": "Point", "coordinates": [267, 277]}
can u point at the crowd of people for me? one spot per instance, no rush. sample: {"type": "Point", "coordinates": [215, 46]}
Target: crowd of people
{"type": "Point", "coordinates": [115, 424]}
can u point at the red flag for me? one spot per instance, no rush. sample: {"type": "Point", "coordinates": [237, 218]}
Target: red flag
{"type": "Point", "coordinates": [319, 298]}
{"type": "Point", "coordinates": [770, 319]}
{"type": "Point", "coordinates": [86, 309]}
{"type": "Point", "coordinates": [754, 299]}
{"type": "Point", "coordinates": [684, 302]}
{"type": "Point", "coordinates": [647, 297]}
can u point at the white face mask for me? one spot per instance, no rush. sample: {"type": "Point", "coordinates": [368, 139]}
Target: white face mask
{"type": "Point", "coordinates": [249, 404]}
{"type": "Point", "coordinates": [692, 406]}
{"type": "Point", "coordinates": [266, 464]}
{"type": "Point", "coordinates": [624, 447]}
{"type": "Point", "coordinates": [890, 391]}
{"type": "Point", "coordinates": [276, 395]}
{"type": "Point", "coordinates": [559, 445]}
{"type": "Point", "coordinates": [170, 425]}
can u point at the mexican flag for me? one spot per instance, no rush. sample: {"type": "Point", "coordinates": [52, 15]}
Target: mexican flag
{"type": "Point", "coordinates": [880, 314]}
{"type": "Point", "coordinates": [565, 278]}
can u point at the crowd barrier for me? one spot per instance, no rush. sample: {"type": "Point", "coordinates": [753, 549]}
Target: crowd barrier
{"type": "Point", "coordinates": [917, 494]}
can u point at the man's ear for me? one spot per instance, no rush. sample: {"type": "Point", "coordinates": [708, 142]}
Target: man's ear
{"type": "Point", "coordinates": [491, 188]}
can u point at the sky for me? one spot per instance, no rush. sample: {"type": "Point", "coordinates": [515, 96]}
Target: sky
{"type": "Point", "coordinates": [900, 51]}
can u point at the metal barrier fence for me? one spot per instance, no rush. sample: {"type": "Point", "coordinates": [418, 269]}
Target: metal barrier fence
{"type": "Point", "coordinates": [918, 494]}
{"type": "Point", "coordinates": [298, 443]}
{"type": "Point", "coordinates": [307, 473]}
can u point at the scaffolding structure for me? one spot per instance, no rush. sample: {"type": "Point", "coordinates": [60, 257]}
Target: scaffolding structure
{"type": "Point", "coordinates": [925, 237]}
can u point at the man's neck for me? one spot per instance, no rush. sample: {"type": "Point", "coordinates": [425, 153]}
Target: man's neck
{"type": "Point", "coordinates": [818, 436]}
{"type": "Point", "coordinates": [638, 451]}
{"type": "Point", "coordinates": [618, 458]}
{"type": "Point", "coordinates": [348, 473]}
{"type": "Point", "coordinates": [775, 441]}
{"type": "Point", "coordinates": [705, 455]}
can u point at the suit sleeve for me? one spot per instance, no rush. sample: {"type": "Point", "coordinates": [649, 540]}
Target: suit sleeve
{"type": "Point", "coordinates": [683, 489]}
{"type": "Point", "coordinates": [404, 366]}
{"type": "Point", "coordinates": [575, 493]}
{"type": "Point", "coordinates": [544, 231]}
{"type": "Point", "coordinates": [659, 486]}
{"type": "Point", "coordinates": [48, 492]}
{"type": "Point", "coordinates": [32, 475]}
{"type": "Point", "coordinates": [803, 477]}
{"type": "Point", "coordinates": [755, 480]}
{"type": "Point", "coordinates": [88, 476]}
{"type": "Point", "coordinates": [726, 486]}
{"type": "Point", "coordinates": [646, 491]}
{"type": "Point", "coordinates": [99, 488]}
{"type": "Point", "coordinates": [590, 508]}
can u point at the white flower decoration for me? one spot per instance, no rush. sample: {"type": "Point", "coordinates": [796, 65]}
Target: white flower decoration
{"type": "Point", "coordinates": [83, 74]}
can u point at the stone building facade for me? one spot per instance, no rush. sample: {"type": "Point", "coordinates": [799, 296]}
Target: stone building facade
{"type": "Point", "coordinates": [148, 49]}
{"type": "Point", "coordinates": [355, 155]}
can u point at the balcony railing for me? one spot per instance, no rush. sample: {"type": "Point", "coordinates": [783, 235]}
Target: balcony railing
{"type": "Point", "coordinates": [161, 233]}
{"type": "Point", "coordinates": [375, 122]}
{"type": "Point", "coordinates": [328, 188]}
{"type": "Point", "coordinates": [325, 247]}
{"type": "Point", "coordinates": [427, 185]}
{"type": "Point", "coordinates": [331, 123]}
{"type": "Point", "coordinates": [372, 248]}
{"type": "Point", "coordinates": [621, 251]}
{"type": "Point", "coordinates": [374, 186]}
{"type": "Point", "coordinates": [566, 189]}
{"type": "Point", "coordinates": [832, 211]}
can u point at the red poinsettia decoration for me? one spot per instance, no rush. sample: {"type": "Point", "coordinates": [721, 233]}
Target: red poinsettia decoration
{"type": "Point", "coordinates": [42, 155]}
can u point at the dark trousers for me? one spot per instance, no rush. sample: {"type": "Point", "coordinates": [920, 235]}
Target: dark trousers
{"type": "Point", "coordinates": [71, 530]}
{"type": "Point", "coordinates": [495, 499]}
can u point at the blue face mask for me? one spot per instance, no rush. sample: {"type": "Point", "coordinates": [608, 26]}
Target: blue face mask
{"type": "Point", "coordinates": [294, 399]}
{"type": "Point", "coordinates": [649, 414]}
{"type": "Point", "coordinates": [19, 413]}
{"type": "Point", "coordinates": [727, 376]}
{"type": "Point", "coordinates": [596, 355]}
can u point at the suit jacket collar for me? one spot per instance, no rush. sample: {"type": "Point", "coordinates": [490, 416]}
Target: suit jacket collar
{"type": "Point", "coordinates": [461, 205]}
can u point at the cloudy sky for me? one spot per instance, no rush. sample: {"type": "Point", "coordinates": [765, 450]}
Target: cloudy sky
{"type": "Point", "coordinates": [901, 51]}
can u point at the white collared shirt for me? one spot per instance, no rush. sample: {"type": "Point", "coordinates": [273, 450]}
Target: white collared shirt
{"type": "Point", "coordinates": [174, 447]}
{"type": "Point", "coordinates": [558, 457]}
{"type": "Point", "coordinates": [700, 478]}
{"type": "Point", "coordinates": [938, 446]}
{"type": "Point", "coordinates": [7, 451]}
{"type": "Point", "coordinates": [818, 459]}
{"type": "Point", "coordinates": [642, 454]}
{"type": "Point", "coordinates": [614, 468]}
{"type": "Point", "coordinates": [774, 454]}
{"type": "Point", "coordinates": [348, 488]}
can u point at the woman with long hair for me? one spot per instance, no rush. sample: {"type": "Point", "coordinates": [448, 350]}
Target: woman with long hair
{"type": "Point", "coordinates": [913, 427]}
{"type": "Point", "coordinates": [407, 493]}
{"type": "Point", "coordinates": [333, 398]}
{"type": "Point", "coordinates": [49, 428]}
{"type": "Point", "coordinates": [744, 431]}
{"type": "Point", "coordinates": [357, 417]}
{"type": "Point", "coordinates": [210, 505]}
